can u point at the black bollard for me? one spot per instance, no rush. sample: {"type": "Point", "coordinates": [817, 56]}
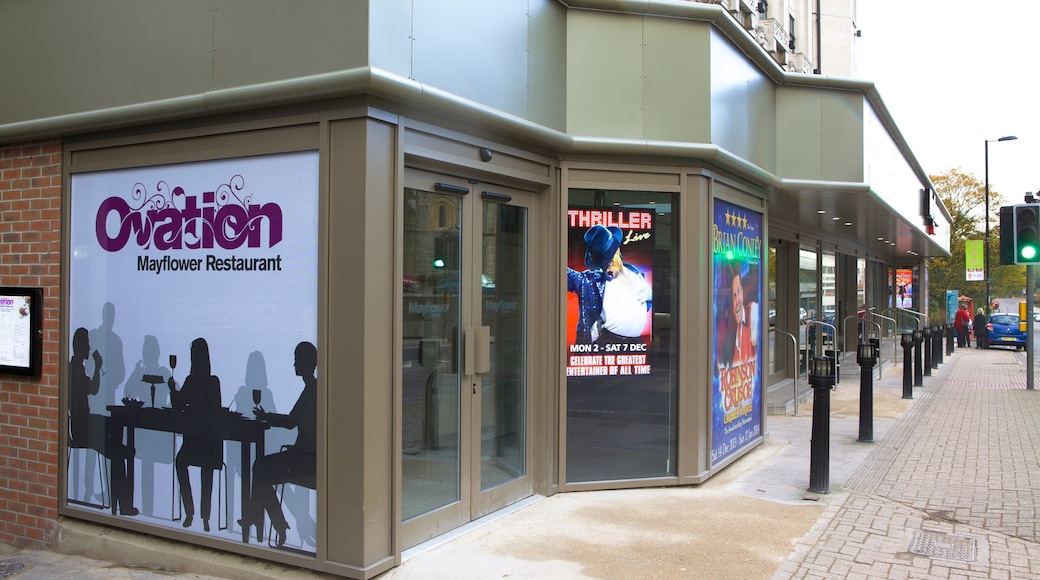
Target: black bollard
{"type": "Point", "coordinates": [918, 371]}
{"type": "Point", "coordinates": [907, 340]}
{"type": "Point", "coordinates": [949, 340]}
{"type": "Point", "coordinates": [926, 348]}
{"type": "Point", "coordinates": [821, 378]}
{"type": "Point", "coordinates": [866, 356]}
{"type": "Point", "coordinates": [937, 356]}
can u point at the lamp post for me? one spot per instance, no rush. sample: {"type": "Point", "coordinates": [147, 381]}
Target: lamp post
{"type": "Point", "coordinates": [985, 257]}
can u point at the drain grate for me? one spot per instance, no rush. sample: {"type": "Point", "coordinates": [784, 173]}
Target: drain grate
{"type": "Point", "coordinates": [936, 545]}
{"type": "Point", "coordinates": [10, 568]}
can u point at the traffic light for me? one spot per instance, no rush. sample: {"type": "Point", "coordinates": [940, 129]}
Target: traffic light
{"type": "Point", "coordinates": [1027, 233]}
{"type": "Point", "coordinates": [1007, 235]}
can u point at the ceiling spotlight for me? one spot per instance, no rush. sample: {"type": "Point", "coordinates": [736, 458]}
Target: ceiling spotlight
{"type": "Point", "coordinates": [821, 211]}
{"type": "Point", "coordinates": [848, 223]}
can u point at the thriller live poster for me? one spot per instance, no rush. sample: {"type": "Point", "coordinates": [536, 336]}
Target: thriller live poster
{"type": "Point", "coordinates": [737, 369]}
{"type": "Point", "coordinates": [609, 291]}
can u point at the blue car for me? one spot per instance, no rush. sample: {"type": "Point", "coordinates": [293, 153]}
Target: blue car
{"type": "Point", "coordinates": [1002, 330]}
{"type": "Point", "coordinates": [828, 332]}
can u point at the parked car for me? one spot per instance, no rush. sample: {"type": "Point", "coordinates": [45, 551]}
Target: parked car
{"type": "Point", "coordinates": [828, 332]}
{"type": "Point", "coordinates": [1002, 330]}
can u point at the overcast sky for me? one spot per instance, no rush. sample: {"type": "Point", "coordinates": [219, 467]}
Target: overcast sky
{"type": "Point", "coordinates": [955, 73]}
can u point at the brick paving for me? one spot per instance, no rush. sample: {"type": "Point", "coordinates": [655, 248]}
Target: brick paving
{"type": "Point", "coordinates": [951, 491]}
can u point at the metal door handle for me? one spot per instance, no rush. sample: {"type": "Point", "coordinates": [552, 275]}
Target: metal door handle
{"type": "Point", "coordinates": [477, 350]}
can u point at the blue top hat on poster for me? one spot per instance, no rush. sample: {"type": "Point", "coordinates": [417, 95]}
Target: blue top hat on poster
{"type": "Point", "coordinates": [601, 243]}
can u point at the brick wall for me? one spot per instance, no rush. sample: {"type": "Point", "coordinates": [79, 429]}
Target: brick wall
{"type": "Point", "coordinates": [30, 255]}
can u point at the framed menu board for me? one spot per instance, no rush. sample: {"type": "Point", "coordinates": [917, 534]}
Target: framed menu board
{"type": "Point", "coordinates": [21, 332]}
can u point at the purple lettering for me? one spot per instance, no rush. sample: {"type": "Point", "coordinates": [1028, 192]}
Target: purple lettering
{"type": "Point", "coordinates": [213, 220]}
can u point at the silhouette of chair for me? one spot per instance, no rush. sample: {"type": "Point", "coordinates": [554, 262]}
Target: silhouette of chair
{"type": "Point", "coordinates": [103, 476]}
{"type": "Point", "coordinates": [308, 480]}
{"type": "Point", "coordinates": [222, 507]}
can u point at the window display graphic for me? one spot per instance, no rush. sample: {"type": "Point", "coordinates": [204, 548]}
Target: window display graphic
{"type": "Point", "coordinates": [610, 291]}
{"type": "Point", "coordinates": [192, 378]}
{"type": "Point", "coordinates": [904, 288]}
{"type": "Point", "coordinates": [737, 368]}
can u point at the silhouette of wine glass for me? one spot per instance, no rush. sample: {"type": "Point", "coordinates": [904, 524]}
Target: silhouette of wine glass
{"type": "Point", "coordinates": [173, 364]}
{"type": "Point", "coordinates": [257, 409]}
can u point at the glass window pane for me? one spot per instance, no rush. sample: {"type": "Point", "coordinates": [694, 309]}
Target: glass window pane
{"type": "Point", "coordinates": [807, 302]}
{"type": "Point", "coordinates": [503, 283]}
{"type": "Point", "coordinates": [621, 363]}
{"type": "Point", "coordinates": [430, 373]}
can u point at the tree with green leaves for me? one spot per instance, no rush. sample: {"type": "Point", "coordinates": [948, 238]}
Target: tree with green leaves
{"type": "Point", "coordinates": [965, 198]}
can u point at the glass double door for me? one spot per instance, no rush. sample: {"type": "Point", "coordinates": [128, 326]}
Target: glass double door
{"type": "Point", "coordinates": [466, 328]}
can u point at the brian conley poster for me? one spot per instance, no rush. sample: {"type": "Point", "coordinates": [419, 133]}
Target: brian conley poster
{"type": "Point", "coordinates": [737, 356]}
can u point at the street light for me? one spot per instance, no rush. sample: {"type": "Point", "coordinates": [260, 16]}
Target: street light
{"type": "Point", "coordinates": [985, 258]}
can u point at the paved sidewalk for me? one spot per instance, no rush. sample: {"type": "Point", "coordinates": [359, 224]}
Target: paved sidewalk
{"type": "Point", "coordinates": [949, 489]}
{"type": "Point", "coordinates": [953, 491]}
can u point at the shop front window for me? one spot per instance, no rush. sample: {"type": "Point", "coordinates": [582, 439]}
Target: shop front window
{"type": "Point", "coordinates": [193, 333]}
{"type": "Point", "coordinates": [808, 301]}
{"type": "Point", "coordinates": [622, 272]}
{"type": "Point", "coordinates": [771, 313]}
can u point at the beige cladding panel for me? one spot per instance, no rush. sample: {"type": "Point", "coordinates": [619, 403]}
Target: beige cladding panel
{"type": "Point", "coordinates": [257, 41]}
{"type": "Point", "coordinates": [676, 80]}
{"type": "Point", "coordinates": [820, 134]}
{"type": "Point", "coordinates": [843, 140]}
{"type": "Point", "coordinates": [546, 69]}
{"type": "Point", "coordinates": [80, 57]}
{"type": "Point", "coordinates": [799, 130]}
{"type": "Point", "coordinates": [109, 53]}
{"type": "Point", "coordinates": [604, 75]}
{"type": "Point", "coordinates": [637, 77]}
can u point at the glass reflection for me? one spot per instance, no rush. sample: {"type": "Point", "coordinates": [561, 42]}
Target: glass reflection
{"type": "Point", "coordinates": [430, 373]}
{"type": "Point", "coordinates": [503, 390]}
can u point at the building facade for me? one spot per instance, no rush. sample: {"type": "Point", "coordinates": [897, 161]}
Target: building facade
{"type": "Point", "coordinates": [323, 281]}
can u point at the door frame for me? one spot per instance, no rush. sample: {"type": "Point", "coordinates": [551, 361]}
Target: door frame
{"type": "Point", "coordinates": [472, 503]}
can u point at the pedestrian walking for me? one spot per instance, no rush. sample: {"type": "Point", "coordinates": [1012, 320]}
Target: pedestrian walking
{"type": "Point", "coordinates": [960, 323]}
{"type": "Point", "coordinates": [979, 328]}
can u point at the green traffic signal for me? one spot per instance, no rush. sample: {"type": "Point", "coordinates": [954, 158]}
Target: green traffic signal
{"type": "Point", "coordinates": [1027, 233]}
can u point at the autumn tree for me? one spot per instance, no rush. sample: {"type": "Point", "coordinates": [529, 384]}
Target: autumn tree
{"type": "Point", "coordinates": [965, 198]}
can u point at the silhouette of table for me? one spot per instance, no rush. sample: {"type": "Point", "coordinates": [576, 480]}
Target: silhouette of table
{"type": "Point", "coordinates": [224, 426]}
